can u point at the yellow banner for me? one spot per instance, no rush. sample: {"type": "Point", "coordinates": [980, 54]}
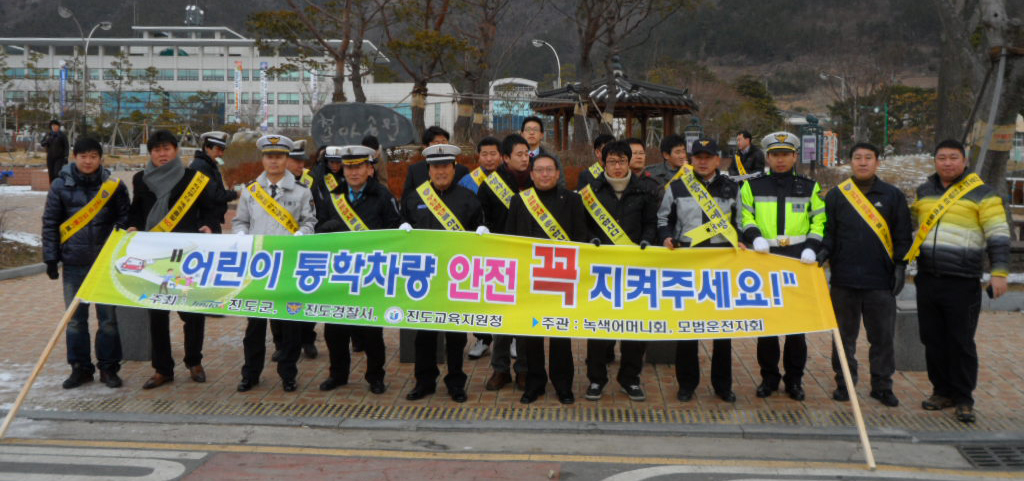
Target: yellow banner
{"type": "Point", "coordinates": [277, 211]}
{"type": "Point", "coordinates": [543, 216]}
{"type": "Point", "coordinates": [953, 194]}
{"type": "Point", "coordinates": [679, 173]}
{"type": "Point", "coordinates": [868, 213]}
{"type": "Point", "coordinates": [500, 188]}
{"type": "Point", "coordinates": [718, 222]}
{"type": "Point", "coordinates": [88, 212]}
{"type": "Point", "coordinates": [600, 214]}
{"type": "Point", "coordinates": [347, 213]}
{"type": "Point", "coordinates": [441, 212]}
{"type": "Point", "coordinates": [192, 192]}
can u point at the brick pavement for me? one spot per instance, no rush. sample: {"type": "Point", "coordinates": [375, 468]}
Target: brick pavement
{"type": "Point", "coordinates": [30, 308]}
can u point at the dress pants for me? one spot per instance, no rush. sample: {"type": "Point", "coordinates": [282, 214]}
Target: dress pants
{"type": "Point", "coordinates": [426, 370]}
{"type": "Point", "coordinates": [254, 345]}
{"type": "Point", "coordinates": [308, 332]}
{"type": "Point", "coordinates": [631, 364]}
{"type": "Point", "coordinates": [194, 326]}
{"type": "Point", "coordinates": [794, 358]}
{"type": "Point", "coordinates": [337, 337]}
{"type": "Point", "coordinates": [501, 355]}
{"type": "Point", "coordinates": [878, 309]}
{"type": "Point", "coordinates": [560, 363]}
{"type": "Point", "coordinates": [947, 312]}
{"type": "Point", "coordinates": [688, 365]}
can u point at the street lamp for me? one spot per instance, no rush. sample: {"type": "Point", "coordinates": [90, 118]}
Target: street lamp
{"type": "Point", "coordinates": [64, 12]}
{"type": "Point", "coordinates": [842, 80]}
{"type": "Point", "coordinates": [692, 132]}
{"type": "Point", "coordinates": [558, 63]}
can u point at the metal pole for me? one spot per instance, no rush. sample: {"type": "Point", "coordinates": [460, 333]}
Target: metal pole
{"type": "Point", "coordinates": [885, 136]}
{"type": "Point", "coordinates": [996, 95]}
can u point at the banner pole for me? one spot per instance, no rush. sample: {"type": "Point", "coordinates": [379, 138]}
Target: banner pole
{"type": "Point", "coordinates": [39, 365]}
{"type": "Point", "coordinates": [869, 456]}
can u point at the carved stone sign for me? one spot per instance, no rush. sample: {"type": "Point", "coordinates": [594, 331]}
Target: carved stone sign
{"type": "Point", "coordinates": [348, 123]}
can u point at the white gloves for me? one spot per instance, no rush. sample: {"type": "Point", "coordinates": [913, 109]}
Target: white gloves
{"type": "Point", "coordinates": [482, 230]}
{"type": "Point", "coordinates": [807, 256]}
{"type": "Point", "coordinates": [297, 233]}
{"type": "Point", "coordinates": [405, 226]}
{"type": "Point", "coordinates": [761, 245]}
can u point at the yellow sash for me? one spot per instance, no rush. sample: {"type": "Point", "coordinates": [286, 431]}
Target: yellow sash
{"type": "Point", "coordinates": [306, 179]}
{"type": "Point", "coordinates": [542, 215]}
{"type": "Point", "coordinates": [437, 207]}
{"type": "Point", "coordinates": [478, 175]}
{"type": "Point", "coordinates": [739, 165]}
{"type": "Point", "coordinates": [679, 173]}
{"type": "Point", "coordinates": [276, 210]}
{"type": "Point", "coordinates": [184, 203]}
{"type": "Point", "coordinates": [868, 212]}
{"type": "Point", "coordinates": [947, 200]}
{"type": "Point", "coordinates": [500, 188]}
{"type": "Point", "coordinates": [347, 213]}
{"type": "Point", "coordinates": [87, 213]}
{"type": "Point", "coordinates": [600, 214]}
{"type": "Point", "coordinates": [718, 222]}
{"type": "Point", "coordinates": [595, 169]}
{"type": "Point", "coordinates": [330, 181]}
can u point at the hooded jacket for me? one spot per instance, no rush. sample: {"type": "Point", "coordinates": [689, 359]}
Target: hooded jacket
{"type": "Point", "coordinates": [71, 191]}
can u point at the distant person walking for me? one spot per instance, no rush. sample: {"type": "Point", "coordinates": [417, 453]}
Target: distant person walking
{"type": "Point", "coordinates": [56, 144]}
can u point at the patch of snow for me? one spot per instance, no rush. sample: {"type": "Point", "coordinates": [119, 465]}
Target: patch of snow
{"type": "Point", "coordinates": [16, 190]}
{"type": "Point", "coordinates": [24, 238]}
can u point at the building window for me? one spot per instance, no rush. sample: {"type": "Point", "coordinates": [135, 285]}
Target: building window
{"type": "Point", "coordinates": [270, 121]}
{"type": "Point", "coordinates": [16, 96]}
{"type": "Point", "coordinates": [15, 73]}
{"type": "Point", "coordinates": [292, 76]}
{"type": "Point", "coordinates": [307, 120]}
{"type": "Point", "coordinates": [165, 74]}
{"type": "Point", "coordinates": [288, 121]}
{"type": "Point", "coordinates": [288, 98]}
{"type": "Point", "coordinates": [111, 74]}
{"type": "Point", "coordinates": [213, 74]}
{"type": "Point", "coordinates": [38, 73]}
{"type": "Point", "coordinates": [137, 73]}
{"type": "Point", "coordinates": [188, 74]}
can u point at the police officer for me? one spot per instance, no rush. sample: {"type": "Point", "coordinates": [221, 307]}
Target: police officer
{"type": "Point", "coordinates": [591, 172]}
{"type": "Point", "coordinates": [782, 213]}
{"type": "Point", "coordinates": [567, 209]}
{"type": "Point", "coordinates": [679, 214]}
{"type": "Point", "coordinates": [274, 189]}
{"type": "Point", "coordinates": [621, 210]}
{"type": "Point", "coordinates": [208, 161]}
{"type": "Point", "coordinates": [297, 164]}
{"type": "Point", "coordinates": [355, 191]}
{"type": "Point", "coordinates": [459, 202]}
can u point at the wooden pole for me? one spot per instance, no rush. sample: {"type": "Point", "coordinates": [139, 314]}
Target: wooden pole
{"type": "Point", "coordinates": [869, 456]}
{"type": "Point", "coordinates": [61, 326]}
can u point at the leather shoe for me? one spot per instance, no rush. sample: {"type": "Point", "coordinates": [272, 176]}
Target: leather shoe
{"type": "Point", "coordinates": [497, 381]}
{"type": "Point", "coordinates": [727, 396]}
{"type": "Point", "coordinates": [521, 381]}
{"type": "Point", "coordinates": [841, 394]}
{"type": "Point", "coordinates": [110, 379]}
{"type": "Point", "coordinates": [458, 394]}
{"type": "Point", "coordinates": [419, 392]}
{"type": "Point", "coordinates": [530, 397]}
{"type": "Point", "coordinates": [247, 384]}
{"type": "Point", "coordinates": [378, 387]}
{"type": "Point", "coordinates": [310, 350]}
{"type": "Point", "coordinates": [331, 383]}
{"type": "Point", "coordinates": [566, 397]}
{"type": "Point", "coordinates": [289, 385]}
{"type": "Point", "coordinates": [157, 380]}
{"type": "Point", "coordinates": [684, 395]}
{"type": "Point", "coordinates": [276, 356]}
{"type": "Point", "coordinates": [197, 373]}
{"type": "Point", "coordinates": [936, 403]}
{"type": "Point", "coordinates": [886, 397]}
{"type": "Point", "coordinates": [796, 392]}
{"type": "Point", "coordinates": [965, 413]}
{"type": "Point", "coordinates": [764, 390]}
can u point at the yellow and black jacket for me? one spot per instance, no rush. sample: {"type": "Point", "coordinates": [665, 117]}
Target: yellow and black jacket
{"type": "Point", "coordinates": [786, 209]}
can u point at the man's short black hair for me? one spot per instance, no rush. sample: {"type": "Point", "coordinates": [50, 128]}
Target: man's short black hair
{"type": "Point", "coordinates": [532, 118]}
{"type": "Point", "coordinates": [370, 141]}
{"type": "Point", "coordinates": [671, 142]}
{"type": "Point", "coordinates": [161, 137]}
{"type": "Point", "coordinates": [603, 140]}
{"type": "Point", "coordinates": [745, 134]}
{"type": "Point", "coordinates": [544, 155]}
{"type": "Point", "coordinates": [620, 147]}
{"type": "Point", "coordinates": [510, 143]}
{"type": "Point", "coordinates": [87, 144]}
{"type": "Point", "coordinates": [209, 145]}
{"type": "Point", "coordinates": [54, 122]}
{"type": "Point", "coordinates": [950, 144]}
{"type": "Point", "coordinates": [866, 146]}
{"type": "Point", "coordinates": [635, 141]}
{"type": "Point", "coordinates": [484, 142]}
{"type": "Point", "coordinates": [434, 131]}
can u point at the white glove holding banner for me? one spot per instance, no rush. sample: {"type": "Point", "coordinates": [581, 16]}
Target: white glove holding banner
{"type": "Point", "coordinates": [807, 256]}
{"type": "Point", "coordinates": [482, 230]}
{"type": "Point", "coordinates": [761, 245]}
{"type": "Point", "coordinates": [405, 226]}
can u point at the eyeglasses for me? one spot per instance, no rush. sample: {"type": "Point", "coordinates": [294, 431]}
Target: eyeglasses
{"type": "Point", "coordinates": [616, 162]}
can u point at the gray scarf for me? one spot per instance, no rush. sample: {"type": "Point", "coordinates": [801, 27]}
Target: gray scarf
{"type": "Point", "coordinates": [618, 185]}
{"type": "Point", "coordinates": [161, 180]}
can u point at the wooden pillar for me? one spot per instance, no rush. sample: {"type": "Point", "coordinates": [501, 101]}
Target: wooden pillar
{"type": "Point", "coordinates": [565, 129]}
{"type": "Point", "coordinates": [666, 123]}
{"type": "Point", "coordinates": [629, 123]}
{"type": "Point", "coordinates": [558, 129]}
{"type": "Point", "coordinates": [643, 128]}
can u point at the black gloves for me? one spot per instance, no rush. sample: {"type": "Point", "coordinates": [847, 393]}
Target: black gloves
{"type": "Point", "coordinates": [644, 244]}
{"type": "Point", "coordinates": [899, 275]}
{"type": "Point", "coordinates": [822, 257]}
{"type": "Point", "coordinates": [51, 270]}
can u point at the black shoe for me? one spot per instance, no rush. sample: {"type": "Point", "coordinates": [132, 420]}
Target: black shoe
{"type": "Point", "coordinates": [796, 392]}
{"type": "Point", "coordinates": [378, 387]}
{"type": "Point", "coordinates": [419, 392]}
{"type": "Point", "coordinates": [276, 356]}
{"type": "Point", "coordinates": [765, 390]}
{"type": "Point", "coordinates": [936, 403]}
{"type": "Point", "coordinates": [331, 383]}
{"type": "Point", "coordinates": [458, 394]}
{"type": "Point", "coordinates": [841, 394]}
{"type": "Point", "coordinates": [77, 378]}
{"type": "Point", "coordinates": [886, 397]}
{"type": "Point", "coordinates": [965, 413]}
{"type": "Point", "coordinates": [110, 379]}
{"type": "Point", "coordinates": [727, 396]}
{"type": "Point", "coordinates": [309, 350]}
{"type": "Point", "coordinates": [529, 397]}
{"type": "Point", "coordinates": [635, 392]}
{"type": "Point", "coordinates": [594, 392]}
{"type": "Point", "coordinates": [566, 397]}
{"type": "Point", "coordinates": [289, 385]}
{"type": "Point", "coordinates": [247, 384]}
{"type": "Point", "coordinates": [684, 395]}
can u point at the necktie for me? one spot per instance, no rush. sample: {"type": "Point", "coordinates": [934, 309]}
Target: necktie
{"type": "Point", "coordinates": [273, 191]}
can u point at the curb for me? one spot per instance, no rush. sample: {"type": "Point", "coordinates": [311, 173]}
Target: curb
{"type": "Point", "coordinates": [22, 271]}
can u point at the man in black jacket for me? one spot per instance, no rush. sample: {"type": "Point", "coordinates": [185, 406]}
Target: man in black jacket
{"type": "Point", "coordinates": [208, 161]}
{"type": "Point", "coordinates": [157, 189]}
{"type": "Point", "coordinates": [567, 209]}
{"type": "Point", "coordinates": [418, 173]}
{"type": "Point", "coordinates": [355, 191]}
{"type": "Point", "coordinates": [622, 210]}
{"type": "Point", "coordinates": [747, 154]}
{"type": "Point", "coordinates": [592, 171]}
{"type": "Point", "coordinates": [867, 272]}
{"type": "Point", "coordinates": [83, 206]}
{"type": "Point", "coordinates": [461, 204]}
{"type": "Point", "coordinates": [56, 144]}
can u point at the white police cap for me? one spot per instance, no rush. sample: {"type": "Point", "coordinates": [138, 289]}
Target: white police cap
{"type": "Point", "coordinates": [348, 154]}
{"type": "Point", "coordinates": [298, 150]}
{"type": "Point", "coordinates": [441, 153]}
{"type": "Point", "coordinates": [780, 141]}
{"type": "Point", "coordinates": [215, 137]}
{"type": "Point", "coordinates": [269, 144]}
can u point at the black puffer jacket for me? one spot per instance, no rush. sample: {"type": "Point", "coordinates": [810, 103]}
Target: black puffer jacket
{"type": "Point", "coordinates": [495, 212]}
{"type": "Point", "coordinates": [71, 191]}
{"type": "Point", "coordinates": [221, 196]}
{"type": "Point", "coordinates": [636, 212]}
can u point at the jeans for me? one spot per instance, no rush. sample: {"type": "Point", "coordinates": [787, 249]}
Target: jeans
{"type": "Point", "coordinates": [108, 341]}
